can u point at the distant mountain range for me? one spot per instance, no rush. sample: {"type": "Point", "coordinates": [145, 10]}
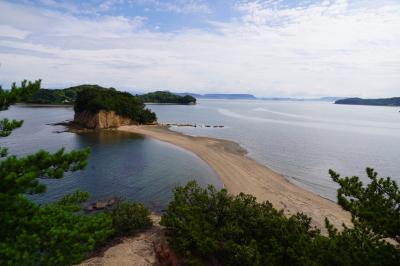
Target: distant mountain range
{"type": "Point", "coordinates": [241, 96]}
{"type": "Point", "coordinates": [379, 102]}
{"type": "Point", "coordinates": [324, 99]}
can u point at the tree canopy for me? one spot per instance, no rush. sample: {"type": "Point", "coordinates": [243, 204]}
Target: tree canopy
{"type": "Point", "coordinates": [210, 227]}
{"type": "Point", "coordinates": [93, 100]}
{"type": "Point", "coordinates": [20, 93]}
{"type": "Point", "coordinates": [375, 206]}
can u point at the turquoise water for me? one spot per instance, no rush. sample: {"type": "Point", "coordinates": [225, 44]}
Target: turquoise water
{"type": "Point", "coordinates": [121, 164]}
{"type": "Point", "coordinates": [301, 140]}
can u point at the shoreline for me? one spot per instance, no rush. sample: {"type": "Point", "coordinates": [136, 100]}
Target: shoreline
{"type": "Point", "coordinates": [239, 173]}
{"type": "Point", "coordinates": [43, 105]}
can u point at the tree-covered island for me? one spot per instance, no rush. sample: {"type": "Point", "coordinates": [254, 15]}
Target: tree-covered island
{"type": "Point", "coordinates": [395, 101]}
{"type": "Point", "coordinates": [103, 108]}
{"type": "Point", "coordinates": [167, 97]}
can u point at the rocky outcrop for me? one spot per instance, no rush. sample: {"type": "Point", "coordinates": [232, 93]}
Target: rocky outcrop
{"type": "Point", "coordinates": [101, 119]}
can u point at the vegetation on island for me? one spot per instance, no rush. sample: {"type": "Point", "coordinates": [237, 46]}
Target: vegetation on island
{"type": "Point", "coordinates": [379, 102]}
{"type": "Point", "coordinates": [57, 233]}
{"type": "Point", "coordinates": [125, 104]}
{"type": "Point", "coordinates": [69, 96]}
{"type": "Point", "coordinates": [61, 96]}
{"type": "Point", "coordinates": [211, 227]}
{"type": "Point", "coordinates": [167, 97]}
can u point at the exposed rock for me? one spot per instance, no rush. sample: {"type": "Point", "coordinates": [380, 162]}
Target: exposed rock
{"type": "Point", "coordinates": [100, 204]}
{"type": "Point", "coordinates": [102, 119]}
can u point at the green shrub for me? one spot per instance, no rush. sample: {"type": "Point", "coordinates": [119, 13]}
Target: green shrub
{"type": "Point", "coordinates": [375, 207]}
{"type": "Point", "coordinates": [20, 93]}
{"type": "Point", "coordinates": [53, 234]}
{"type": "Point", "coordinates": [237, 230]}
{"type": "Point", "coordinates": [128, 218]}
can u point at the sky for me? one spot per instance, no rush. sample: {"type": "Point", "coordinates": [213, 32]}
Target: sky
{"type": "Point", "coordinates": [269, 48]}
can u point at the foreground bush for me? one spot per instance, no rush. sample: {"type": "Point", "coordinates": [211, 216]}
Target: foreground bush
{"type": "Point", "coordinates": [374, 207]}
{"type": "Point", "coordinates": [54, 234]}
{"type": "Point", "coordinates": [128, 218]}
{"type": "Point", "coordinates": [218, 228]}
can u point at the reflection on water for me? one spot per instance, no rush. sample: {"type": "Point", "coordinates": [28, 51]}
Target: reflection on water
{"type": "Point", "coordinates": [106, 137]}
{"type": "Point", "coordinates": [121, 164]}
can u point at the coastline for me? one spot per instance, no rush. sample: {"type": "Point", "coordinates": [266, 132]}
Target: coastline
{"type": "Point", "coordinates": [240, 173]}
{"type": "Point", "coordinates": [43, 105]}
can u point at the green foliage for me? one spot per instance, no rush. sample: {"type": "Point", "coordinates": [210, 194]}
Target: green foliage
{"type": "Point", "coordinates": [355, 246]}
{"type": "Point", "coordinates": [20, 175]}
{"type": "Point", "coordinates": [123, 103]}
{"type": "Point", "coordinates": [375, 206]}
{"type": "Point", "coordinates": [128, 218]}
{"type": "Point", "coordinates": [167, 97]}
{"type": "Point", "coordinates": [237, 230]}
{"type": "Point", "coordinates": [61, 96]}
{"type": "Point", "coordinates": [7, 126]}
{"type": "Point", "coordinates": [20, 93]}
{"type": "Point", "coordinates": [53, 234]}
{"type": "Point", "coordinates": [46, 96]}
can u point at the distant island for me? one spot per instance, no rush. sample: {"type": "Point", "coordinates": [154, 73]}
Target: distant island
{"type": "Point", "coordinates": [395, 101]}
{"type": "Point", "coordinates": [321, 99]}
{"type": "Point", "coordinates": [69, 95]}
{"type": "Point", "coordinates": [224, 96]}
{"type": "Point", "coordinates": [107, 108]}
{"type": "Point", "coordinates": [167, 97]}
{"type": "Point", "coordinates": [242, 96]}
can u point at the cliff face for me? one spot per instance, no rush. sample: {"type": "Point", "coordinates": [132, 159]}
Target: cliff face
{"type": "Point", "coordinates": [102, 119]}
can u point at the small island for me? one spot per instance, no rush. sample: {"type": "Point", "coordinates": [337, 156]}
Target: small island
{"type": "Point", "coordinates": [395, 101]}
{"type": "Point", "coordinates": [167, 98]}
{"type": "Point", "coordinates": [97, 108]}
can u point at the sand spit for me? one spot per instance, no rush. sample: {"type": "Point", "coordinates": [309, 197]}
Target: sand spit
{"type": "Point", "coordinates": [240, 173]}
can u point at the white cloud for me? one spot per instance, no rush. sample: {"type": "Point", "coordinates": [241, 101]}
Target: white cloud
{"type": "Point", "coordinates": [176, 6]}
{"type": "Point", "coordinates": [323, 49]}
{"type": "Point", "coordinates": [9, 31]}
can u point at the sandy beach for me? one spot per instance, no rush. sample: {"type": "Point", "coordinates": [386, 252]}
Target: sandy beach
{"type": "Point", "coordinates": [240, 173]}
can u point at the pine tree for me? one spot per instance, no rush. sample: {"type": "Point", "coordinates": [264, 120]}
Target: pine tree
{"type": "Point", "coordinates": [53, 234]}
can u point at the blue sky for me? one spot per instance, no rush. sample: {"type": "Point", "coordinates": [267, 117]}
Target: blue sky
{"type": "Point", "coordinates": [267, 47]}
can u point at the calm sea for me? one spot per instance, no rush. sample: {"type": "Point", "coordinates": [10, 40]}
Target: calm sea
{"type": "Point", "coordinates": [121, 164]}
{"type": "Point", "coordinates": [301, 140]}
